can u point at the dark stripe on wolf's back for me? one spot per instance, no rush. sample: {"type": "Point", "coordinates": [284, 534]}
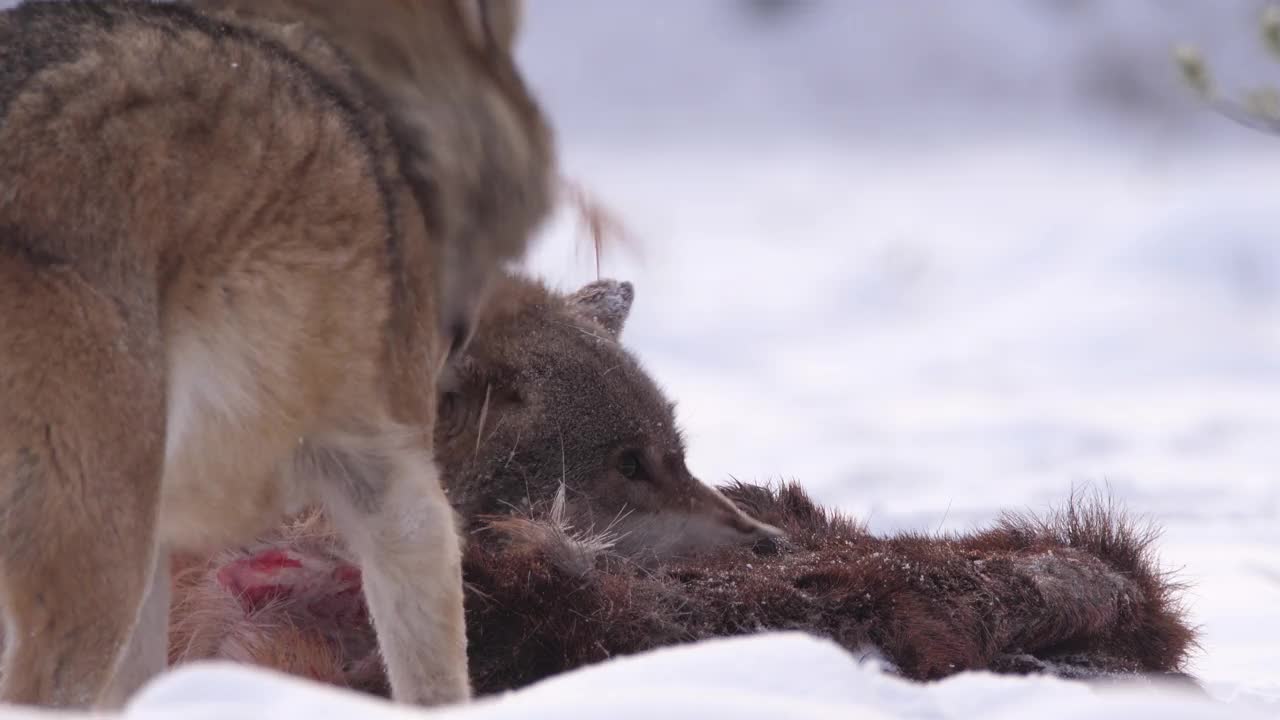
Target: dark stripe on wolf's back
{"type": "Point", "coordinates": [36, 35]}
{"type": "Point", "coordinates": [40, 34]}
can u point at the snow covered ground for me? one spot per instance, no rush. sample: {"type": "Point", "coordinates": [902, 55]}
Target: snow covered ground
{"type": "Point", "coordinates": [778, 676]}
{"type": "Point", "coordinates": [758, 678]}
{"type": "Point", "coordinates": [933, 259]}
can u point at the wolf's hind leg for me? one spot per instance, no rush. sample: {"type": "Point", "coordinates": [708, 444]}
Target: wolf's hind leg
{"type": "Point", "coordinates": [386, 500]}
{"type": "Point", "coordinates": [81, 450]}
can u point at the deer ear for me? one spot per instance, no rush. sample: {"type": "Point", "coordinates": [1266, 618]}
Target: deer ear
{"type": "Point", "coordinates": [607, 302]}
{"type": "Point", "coordinates": [491, 23]}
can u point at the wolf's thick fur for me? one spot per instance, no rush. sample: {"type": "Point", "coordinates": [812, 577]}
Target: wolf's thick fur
{"type": "Point", "coordinates": [223, 294]}
{"type": "Point", "coordinates": [488, 184]}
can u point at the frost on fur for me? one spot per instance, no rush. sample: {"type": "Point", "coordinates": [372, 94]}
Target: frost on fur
{"type": "Point", "coordinates": [607, 302]}
{"type": "Point", "coordinates": [553, 538]}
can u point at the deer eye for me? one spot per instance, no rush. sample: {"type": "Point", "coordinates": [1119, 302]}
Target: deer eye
{"type": "Point", "coordinates": [630, 466]}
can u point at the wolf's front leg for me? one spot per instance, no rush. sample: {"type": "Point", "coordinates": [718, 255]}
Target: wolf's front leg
{"type": "Point", "coordinates": [387, 502]}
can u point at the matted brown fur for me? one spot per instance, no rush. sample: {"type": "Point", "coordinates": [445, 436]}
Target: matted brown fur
{"type": "Point", "coordinates": [1076, 594]}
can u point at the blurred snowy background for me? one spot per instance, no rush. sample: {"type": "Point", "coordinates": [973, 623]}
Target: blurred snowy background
{"type": "Point", "coordinates": [936, 259]}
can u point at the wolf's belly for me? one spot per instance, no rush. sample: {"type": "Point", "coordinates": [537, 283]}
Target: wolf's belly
{"type": "Point", "coordinates": [226, 447]}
